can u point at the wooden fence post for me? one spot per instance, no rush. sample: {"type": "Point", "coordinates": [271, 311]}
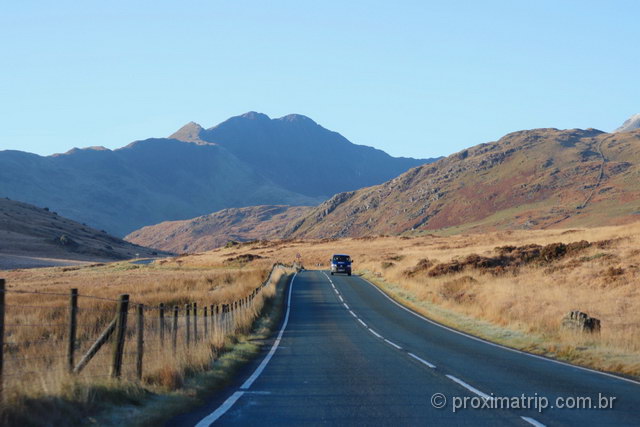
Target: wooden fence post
{"type": "Point", "coordinates": [121, 329]}
{"type": "Point", "coordinates": [195, 322]}
{"type": "Point", "coordinates": [161, 311]}
{"type": "Point", "coordinates": [140, 346]}
{"type": "Point", "coordinates": [214, 319]}
{"type": "Point", "coordinates": [187, 309]}
{"type": "Point", "coordinates": [174, 331]}
{"type": "Point", "coordinates": [73, 325]}
{"type": "Point", "coordinates": [205, 322]}
{"type": "Point", "coordinates": [2, 289]}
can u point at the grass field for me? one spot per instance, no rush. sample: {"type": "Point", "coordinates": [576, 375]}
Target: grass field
{"type": "Point", "coordinates": [35, 356]}
{"type": "Point", "coordinates": [459, 281]}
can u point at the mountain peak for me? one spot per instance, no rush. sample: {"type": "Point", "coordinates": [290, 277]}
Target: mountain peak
{"type": "Point", "coordinates": [299, 118]}
{"type": "Point", "coordinates": [189, 133]}
{"type": "Point", "coordinates": [253, 115]}
{"type": "Point", "coordinates": [632, 123]}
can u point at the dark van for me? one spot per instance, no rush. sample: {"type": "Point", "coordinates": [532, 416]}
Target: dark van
{"type": "Point", "coordinates": [341, 263]}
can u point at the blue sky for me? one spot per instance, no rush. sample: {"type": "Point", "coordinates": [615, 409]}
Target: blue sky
{"type": "Point", "coordinates": [416, 79]}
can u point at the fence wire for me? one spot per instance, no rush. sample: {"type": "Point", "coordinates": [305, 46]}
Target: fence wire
{"type": "Point", "coordinates": [156, 339]}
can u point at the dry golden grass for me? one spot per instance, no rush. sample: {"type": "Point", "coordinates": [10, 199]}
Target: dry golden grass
{"type": "Point", "coordinates": [521, 307]}
{"type": "Point", "coordinates": [36, 333]}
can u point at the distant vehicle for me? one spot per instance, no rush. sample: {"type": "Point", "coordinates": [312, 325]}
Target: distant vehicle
{"type": "Point", "coordinates": [340, 263]}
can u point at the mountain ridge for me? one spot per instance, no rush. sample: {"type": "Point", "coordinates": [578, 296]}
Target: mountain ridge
{"type": "Point", "coordinates": [245, 161]}
{"type": "Point", "coordinates": [530, 179]}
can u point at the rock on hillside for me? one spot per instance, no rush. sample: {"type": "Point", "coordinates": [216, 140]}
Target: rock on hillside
{"type": "Point", "coordinates": [214, 230]}
{"type": "Point", "coordinates": [530, 179]}
{"type": "Point", "coordinates": [28, 232]}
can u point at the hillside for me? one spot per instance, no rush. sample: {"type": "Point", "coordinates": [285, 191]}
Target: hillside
{"type": "Point", "coordinates": [254, 161]}
{"type": "Point", "coordinates": [32, 236]}
{"type": "Point", "coordinates": [299, 155]}
{"type": "Point", "coordinates": [212, 231]}
{"type": "Point", "coordinates": [531, 179]}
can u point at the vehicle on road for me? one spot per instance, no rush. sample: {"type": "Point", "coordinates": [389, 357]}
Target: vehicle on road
{"type": "Point", "coordinates": [340, 263]}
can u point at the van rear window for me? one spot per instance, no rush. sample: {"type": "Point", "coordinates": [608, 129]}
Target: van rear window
{"type": "Point", "coordinates": [341, 258]}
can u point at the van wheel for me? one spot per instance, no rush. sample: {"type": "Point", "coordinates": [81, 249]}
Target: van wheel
{"type": "Point", "coordinates": [332, 273]}
{"type": "Point", "coordinates": [349, 274]}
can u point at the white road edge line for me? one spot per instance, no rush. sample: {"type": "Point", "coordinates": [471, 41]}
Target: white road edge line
{"type": "Point", "coordinates": [220, 411]}
{"type": "Point", "coordinates": [363, 324]}
{"type": "Point", "coordinates": [274, 347]}
{"type": "Point", "coordinates": [340, 296]}
{"type": "Point", "coordinates": [392, 344]}
{"type": "Point", "coordinates": [464, 334]}
{"type": "Point", "coordinates": [533, 422]}
{"type": "Point", "coordinates": [213, 417]}
{"type": "Point", "coordinates": [375, 333]}
{"type": "Point", "coordinates": [345, 305]}
{"type": "Point", "coordinates": [353, 314]}
{"type": "Point", "coordinates": [421, 360]}
{"type": "Point", "coordinates": [470, 388]}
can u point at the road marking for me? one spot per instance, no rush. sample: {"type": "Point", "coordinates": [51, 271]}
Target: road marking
{"type": "Point", "coordinates": [274, 347]}
{"type": "Point", "coordinates": [340, 296]}
{"type": "Point", "coordinates": [464, 334]}
{"type": "Point", "coordinates": [336, 291]}
{"type": "Point", "coordinates": [419, 359]}
{"type": "Point", "coordinates": [345, 305]}
{"type": "Point", "coordinates": [363, 324]}
{"type": "Point", "coordinates": [375, 333]}
{"type": "Point", "coordinates": [533, 422]}
{"type": "Point", "coordinates": [469, 387]}
{"type": "Point", "coordinates": [211, 418]}
{"type": "Point", "coordinates": [353, 314]}
{"type": "Point", "coordinates": [393, 344]}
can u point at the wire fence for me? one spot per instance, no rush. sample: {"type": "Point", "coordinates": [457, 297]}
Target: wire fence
{"type": "Point", "coordinates": [95, 337]}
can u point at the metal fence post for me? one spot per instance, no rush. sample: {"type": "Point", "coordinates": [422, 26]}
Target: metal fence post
{"type": "Point", "coordinates": [174, 331]}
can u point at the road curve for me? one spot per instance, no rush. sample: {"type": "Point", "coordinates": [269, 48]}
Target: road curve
{"type": "Point", "coordinates": [348, 355]}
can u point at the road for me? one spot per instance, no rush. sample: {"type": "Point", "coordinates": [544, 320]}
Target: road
{"type": "Point", "coordinates": [348, 355]}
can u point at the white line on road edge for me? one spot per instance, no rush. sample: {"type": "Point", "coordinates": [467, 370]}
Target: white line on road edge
{"type": "Point", "coordinates": [375, 333]}
{"type": "Point", "coordinates": [421, 360]}
{"type": "Point", "coordinates": [209, 419]}
{"type": "Point", "coordinates": [353, 314]}
{"type": "Point", "coordinates": [393, 344]}
{"type": "Point", "coordinates": [212, 417]}
{"type": "Point", "coordinates": [340, 296]}
{"type": "Point", "coordinates": [345, 305]}
{"type": "Point", "coordinates": [533, 422]}
{"type": "Point", "coordinates": [274, 347]}
{"type": "Point", "coordinates": [464, 334]}
{"type": "Point", "coordinates": [363, 324]}
{"type": "Point", "coordinates": [470, 388]}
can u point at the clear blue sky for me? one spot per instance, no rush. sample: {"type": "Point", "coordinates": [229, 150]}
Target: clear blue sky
{"type": "Point", "coordinates": [414, 78]}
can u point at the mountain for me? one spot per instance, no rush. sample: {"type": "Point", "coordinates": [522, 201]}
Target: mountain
{"type": "Point", "coordinates": [212, 231]}
{"type": "Point", "coordinates": [530, 179]}
{"type": "Point", "coordinates": [32, 236]}
{"type": "Point", "coordinates": [146, 182]}
{"type": "Point", "coordinates": [632, 123]}
{"type": "Point", "coordinates": [246, 161]}
{"type": "Point", "coordinates": [299, 155]}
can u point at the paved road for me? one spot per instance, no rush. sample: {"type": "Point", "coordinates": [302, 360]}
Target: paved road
{"type": "Point", "coordinates": [348, 355]}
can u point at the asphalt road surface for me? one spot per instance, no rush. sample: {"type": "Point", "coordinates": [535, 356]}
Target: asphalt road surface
{"type": "Point", "coordinates": [348, 355]}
